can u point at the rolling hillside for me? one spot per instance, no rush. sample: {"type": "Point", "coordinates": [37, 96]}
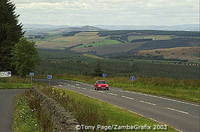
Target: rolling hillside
{"type": "Point", "coordinates": [63, 41]}
{"type": "Point", "coordinates": [123, 42]}
{"type": "Point", "coordinates": [182, 53]}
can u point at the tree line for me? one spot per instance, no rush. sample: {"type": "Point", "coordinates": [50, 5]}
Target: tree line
{"type": "Point", "coordinates": [16, 53]}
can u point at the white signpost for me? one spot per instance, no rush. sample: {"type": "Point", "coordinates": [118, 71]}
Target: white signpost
{"type": "Point", "coordinates": [104, 75]}
{"type": "Point", "coordinates": [31, 74]}
{"type": "Point", "coordinates": [5, 74]}
{"type": "Point", "coordinates": [132, 78]}
{"type": "Point", "coordinates": [49, 77]}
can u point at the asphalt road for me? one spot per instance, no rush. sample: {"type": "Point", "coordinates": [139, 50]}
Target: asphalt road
{"type": "Point", "coordinates": [181, 115]}
{"type": "Point", "coordinates": [6, 108]}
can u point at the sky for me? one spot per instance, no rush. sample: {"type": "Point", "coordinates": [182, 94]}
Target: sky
{"type": "Point", "coordinates": [108, 12]}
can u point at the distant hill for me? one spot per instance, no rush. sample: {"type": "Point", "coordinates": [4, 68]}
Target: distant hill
{"type": "Point", "coordinates": [35, 29]}
{"type": "Point", "coordinates": [116, 43]}
{"type": "Point", "coordinates": [185, 27]}
{"type": "Point", "coordinates": [84, 28]}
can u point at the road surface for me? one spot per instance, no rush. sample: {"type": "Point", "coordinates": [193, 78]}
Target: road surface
{"type": "Point", "coordinates": [181, 115]}
{"type": "Point", "coordinates": [6, 108]}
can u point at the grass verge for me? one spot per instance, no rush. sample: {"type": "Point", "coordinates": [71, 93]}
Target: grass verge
{"type": "Point", "coordinates": [90, 111]}
{"type": "Point", "coordinates": [14, 83]}
{"type": "Point", "coordinates": [5, 85]}
{"type": "Point", "coordinates": [188, 90]}
{"type": "Point", "coordinates": [24, 119]}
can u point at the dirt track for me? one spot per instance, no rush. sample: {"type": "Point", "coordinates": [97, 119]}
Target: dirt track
{"type": "Point", "coordinates": [6, 108]}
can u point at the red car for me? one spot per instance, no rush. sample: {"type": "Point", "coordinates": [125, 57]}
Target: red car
{"type": "Point", "coordinates": [101, 85]}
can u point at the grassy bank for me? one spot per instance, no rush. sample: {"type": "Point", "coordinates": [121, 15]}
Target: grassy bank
{"type": "Point", "coordinates": [14, 83]}
{"type": "Point", "coordinates": [188, 90]}
{"type": "Point", "coordinates": [5, 85]}
{"type": "Point", "coordinates": [90, 111]}
{"type": "Point", "coordinates": [24, 119]}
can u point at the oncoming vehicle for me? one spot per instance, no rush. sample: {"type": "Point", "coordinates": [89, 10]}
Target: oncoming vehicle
{"type": "Point", "coordinates": [101, 85]}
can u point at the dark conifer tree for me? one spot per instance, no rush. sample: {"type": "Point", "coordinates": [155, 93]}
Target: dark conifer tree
{"type": "Point", "coordinates": [98, 71]}
{"type": "Point", "coordinates": [10, 33]}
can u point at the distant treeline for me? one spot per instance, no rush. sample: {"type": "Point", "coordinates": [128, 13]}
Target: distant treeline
{"type": "Point", "coordinates": [176, 42]}
{"type": "Point", "coordinates": [150, 32]}
{"type": "Point", "coordinates": [66, 34]}
{"type": "Point", "coordinates": [61, 61]}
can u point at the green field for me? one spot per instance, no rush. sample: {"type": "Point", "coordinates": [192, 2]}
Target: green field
{"type": "Point", "coordinates": [62, 42]}
{"type": "Point", "coordinates": [4, 85]}
{"type": "Point", "coordinates": [154, 37]}
{"type": "Point", "coordinates": [90, 111]}
{"type": "Point", "coordinates": [100, 43]}
{"type": "Point", "coordinates": [15, 82]}
{"type": "Point", "coordinates": [93, 56]}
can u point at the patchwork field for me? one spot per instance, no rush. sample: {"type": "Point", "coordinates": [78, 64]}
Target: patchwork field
{"type": "Point", "coordinates": [179, 45]}
{"type": "Point", "coordinates": [62, 42]}
{"type": "Point", "coordinates": [153, 37]}
{"type": "Point", "coordinates": [183, 53]}
{"type": "Point", "coordinates": [109, 49]}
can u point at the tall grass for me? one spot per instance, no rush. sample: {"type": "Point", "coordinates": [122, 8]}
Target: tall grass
{"type": "Point", "coordinates": [181, 89]}
{"type": "Point", "coordinates": [25, 119]}
{"type": "Point", "coordinates": [15, 79]}
{"type": "Point", "coordinates": [90, 111]}
{"type": "Point", "coordinates": [15, 82]}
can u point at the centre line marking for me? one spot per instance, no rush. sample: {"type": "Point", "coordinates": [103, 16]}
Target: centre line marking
{"type": "Point", "coordinates": [178, 110]}
{"type": "Point", "coordinates": [128, 97]}
{"type": "Point", "coordinates": [147, 102]}
{"type": "Point", "coordinates": [100, 91]}
{"type": "Point", "coordinates": [161, 98]}
{"type": "Point", "coordinates": [112, 94]}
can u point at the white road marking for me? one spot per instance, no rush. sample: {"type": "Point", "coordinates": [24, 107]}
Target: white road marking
{"type": "Point", "coordinates": [162, 98]}
{"type": "Point", "coordinates": [118, 90]}
{"type": "Point", "coordinates": [178, 110]}
{"type": "Point", "coordinates": [126, 91]}
{"type": "Point", "coordinates": [60, 85]}
{"type": "Point", "coordinates": [78, 87]}
{"type": "Point", "coordinates": [128, 97]}
{"type": "Point", "coordinates": [146, 102]}
{"type": "Point", "coordinates": [112, 94]}
{"type": "Point", "coordinates": [100, 91]}
{"type": "Point", "coordinates": [77, 84]}
{"type": "Point", "coordinates": [83, 88]}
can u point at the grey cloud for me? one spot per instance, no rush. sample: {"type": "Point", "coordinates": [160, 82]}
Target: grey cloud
{"type": "Point", "coordinates": [92, 12]}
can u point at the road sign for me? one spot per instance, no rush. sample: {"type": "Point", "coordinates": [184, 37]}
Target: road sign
{"type": "Point", "coordinates": [5, 74]}
{"type": "Point", "coordinates": [31, 74]}
{"type": "Point", "coordinates": [132, 78]}
{"type": "Point", "coordinates": [49, 77]}
{"type": "Point", "coordinates": [104, 75]}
